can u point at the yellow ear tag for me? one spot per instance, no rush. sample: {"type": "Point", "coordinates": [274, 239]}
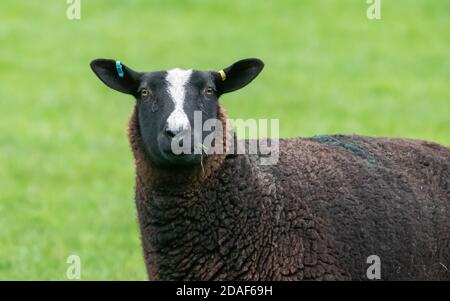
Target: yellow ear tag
{"type": "Point", "coordinates": [223, 75]}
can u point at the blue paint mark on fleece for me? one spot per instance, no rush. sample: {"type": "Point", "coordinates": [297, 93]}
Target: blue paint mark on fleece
{"type": "Point", "coordinates": [346, 142]}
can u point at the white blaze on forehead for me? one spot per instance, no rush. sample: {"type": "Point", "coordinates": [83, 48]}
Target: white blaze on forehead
{"type": "Point", "coordinates": [176, 81]}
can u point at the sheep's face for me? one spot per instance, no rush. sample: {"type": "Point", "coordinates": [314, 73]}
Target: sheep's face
{"type": "Point", "coordinates": [174, 105]}
{"type": "Point", "coordinates": [166, 104]}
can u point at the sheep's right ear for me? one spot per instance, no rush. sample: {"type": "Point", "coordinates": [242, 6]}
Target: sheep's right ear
{"type": "Point", "coordinates": [116, 75]}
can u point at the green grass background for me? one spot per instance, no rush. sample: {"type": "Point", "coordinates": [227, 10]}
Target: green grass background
{"type": "Point", "coordinates": [66, 172]}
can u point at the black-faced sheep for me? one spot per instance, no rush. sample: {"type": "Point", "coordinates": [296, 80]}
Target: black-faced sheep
{"type": "Point", "coordinates": [329, 203]}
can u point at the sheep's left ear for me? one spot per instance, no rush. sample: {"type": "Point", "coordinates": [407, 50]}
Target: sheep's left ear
{"type": "Point", "coordinates": [238, 75]}
{"type": "Point", "coordinates": [116, 75]}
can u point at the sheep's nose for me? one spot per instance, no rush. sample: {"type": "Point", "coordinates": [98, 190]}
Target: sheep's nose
{"type": "Point", "coordinates": [171, 132]}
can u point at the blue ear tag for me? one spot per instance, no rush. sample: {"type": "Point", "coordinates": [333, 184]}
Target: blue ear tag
{"type": "Point", "coordinates": [119, 69]}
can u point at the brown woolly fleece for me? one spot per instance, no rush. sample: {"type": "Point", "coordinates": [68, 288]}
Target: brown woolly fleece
{"type": "Point", "coordinates": [329, 203]}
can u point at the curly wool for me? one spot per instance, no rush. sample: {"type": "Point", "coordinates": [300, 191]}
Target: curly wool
{"type": "Point", "coordinates": [330, 202]}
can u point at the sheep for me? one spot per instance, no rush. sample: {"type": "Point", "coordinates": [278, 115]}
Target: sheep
{"type": "Point", "coordinates": [330, 203]}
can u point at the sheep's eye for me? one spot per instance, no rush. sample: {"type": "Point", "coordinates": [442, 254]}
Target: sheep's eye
{"type": "Point", "coordinates": [209, 91]}
{"type": "Point", "coordinates": [144, 92]}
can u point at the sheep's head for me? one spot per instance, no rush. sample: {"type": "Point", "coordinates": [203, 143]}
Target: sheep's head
{"type": "Point", "coordinates": [168, 101]}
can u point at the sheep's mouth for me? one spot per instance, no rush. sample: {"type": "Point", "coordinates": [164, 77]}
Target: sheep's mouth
{"type": "Point", "coordinates": [177, 155]}
{"type": "Point", "coordinates": [169, 154]}
{"type": "Point", "coordinates": [180, 157]}
{"type": "Point", "coordinates": [177, 148]}
{"type": "Point", "coordinates": [167, 150]}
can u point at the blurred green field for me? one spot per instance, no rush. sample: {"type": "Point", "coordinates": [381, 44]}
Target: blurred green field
{"type": "Point", "coordinates": [66, 172]}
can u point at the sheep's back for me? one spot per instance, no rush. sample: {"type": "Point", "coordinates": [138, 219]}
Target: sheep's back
{"type": "Point", "coordinates": [377, 196]}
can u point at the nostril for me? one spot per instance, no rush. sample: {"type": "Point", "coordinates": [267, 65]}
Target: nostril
{"type": "Point", "coordinates": [170, 133]}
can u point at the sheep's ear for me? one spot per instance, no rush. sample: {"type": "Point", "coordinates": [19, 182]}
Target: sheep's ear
{"type": "Point", "coordinates": [116, 75]}
{"type": "Point", "coordinates": [238, 75]}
